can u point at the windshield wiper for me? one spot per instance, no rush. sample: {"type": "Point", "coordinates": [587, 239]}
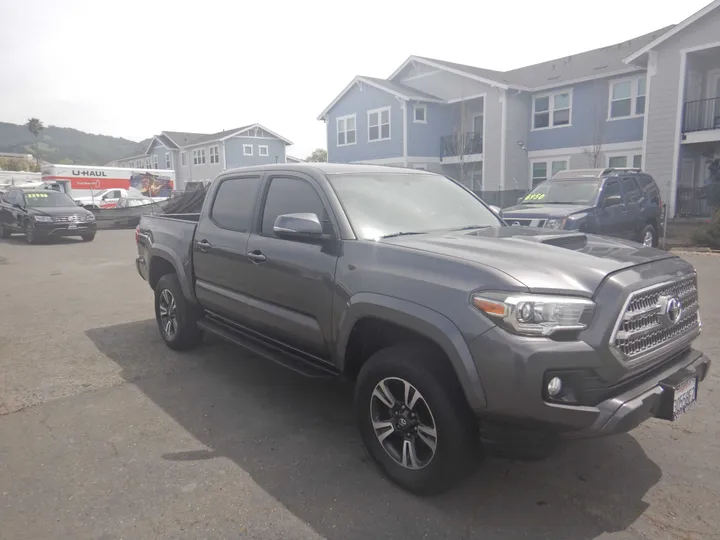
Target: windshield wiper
{"type": "Point", "coordinates": [469, 227]}
{"type": "Point", "coordinates": [393, 235]}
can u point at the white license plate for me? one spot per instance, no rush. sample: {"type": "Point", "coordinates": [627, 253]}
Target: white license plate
{"type": "Point", "coordinates": [72, 226]}
{"type": "Point", "coordinates": [685, 396]}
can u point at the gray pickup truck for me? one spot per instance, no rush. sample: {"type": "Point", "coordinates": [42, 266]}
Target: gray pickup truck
{"type": "Point", "coordinates": [458, 331]}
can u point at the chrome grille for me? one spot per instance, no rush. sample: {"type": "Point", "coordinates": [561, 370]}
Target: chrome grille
{"type": "Point", "coordinates": [643, 327]}
{"type": "Point", "coordinates": [66, 219]}
{"type": "Point", "coordinates": [526, 222]}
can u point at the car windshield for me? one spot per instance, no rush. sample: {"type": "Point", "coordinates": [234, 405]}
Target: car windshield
{"type": "Point", "coordinates": [382, 204]}
{"type": "Point", "coordinates": [564, 192]}
{"type": "Point", "coordinates": [47, 199]}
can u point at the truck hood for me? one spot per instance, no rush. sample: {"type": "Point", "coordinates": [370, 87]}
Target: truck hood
{"type": "Point", "coordinates": [57, 210]}
{"type": "Point", "coordinates": [560, 262]}
{"type": "Point", "coordinates": [542, 211]}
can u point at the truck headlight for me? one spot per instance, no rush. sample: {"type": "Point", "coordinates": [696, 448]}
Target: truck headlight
{"type": "Point", "coordinates": [43, 219]}
{"type": "Point", "coordinates": [554, 223]}
{"type": "Point", "coordinates": [90, 217]}
{"type": "Point", "coordinates": [535, 315]}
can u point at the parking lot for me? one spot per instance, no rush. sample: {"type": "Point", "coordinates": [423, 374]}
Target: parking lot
{"type": "Point", "coordinates": [107, 434]}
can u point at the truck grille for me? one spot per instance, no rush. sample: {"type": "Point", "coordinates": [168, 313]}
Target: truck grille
{"type": "Point", "coordinates": [646, 324]}
{"type": "Point", "coordinates": [525, 222]}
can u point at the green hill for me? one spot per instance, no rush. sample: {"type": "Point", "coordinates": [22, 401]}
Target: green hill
{"type": "Point", "coordinates": [67, 145]}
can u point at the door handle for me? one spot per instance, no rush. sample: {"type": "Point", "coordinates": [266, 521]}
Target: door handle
{"type": "Point", "coordinates": [256, 256]}
{"type": "Point", "coordinates": [204, 245]}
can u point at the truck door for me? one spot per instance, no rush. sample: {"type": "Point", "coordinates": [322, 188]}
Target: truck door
{"type": "Point", "coordinates": [292, 281]}
{"type": "Point", "coordinates": [219, 247]}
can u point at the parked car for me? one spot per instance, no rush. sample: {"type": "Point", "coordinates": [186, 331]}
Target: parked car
{"type": "Point", "coordinates": [454, 326]}
{"type": "Point", "coordinates": [624, 203]}
{"type": "Point", "coordinates": [127, 211]}
{"type": "Point", "coordinates": [41, 214]}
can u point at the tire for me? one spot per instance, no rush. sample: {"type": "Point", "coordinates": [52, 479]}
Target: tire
{"type": "Point", "coordinates": [648, 236]}
{"type": "Point", "coordinates": [4, 232]}
{"type": "Point", "coordinates": [441, 403]}
{"type": "Point", "coordinates": [170, 305]}
{"type": "Point", "coordinates": [30, 234]}
{"type": "Point", "coordinates": [88, 237]}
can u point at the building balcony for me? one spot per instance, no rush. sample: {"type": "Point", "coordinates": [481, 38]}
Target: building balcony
{"type": "Point", "coordinates": [461, 146]}
{"type": "Point", "coordinates": [702, 115]}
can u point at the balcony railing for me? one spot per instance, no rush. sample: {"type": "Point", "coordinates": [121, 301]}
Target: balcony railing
{"type": "Point", "coordinates": [461, 144]}
{"type": "Point", "coordinates": [702, 115]}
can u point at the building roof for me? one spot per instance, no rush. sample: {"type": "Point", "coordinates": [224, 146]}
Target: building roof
{"type": "Point", "coordinates": [672, 31]}
{"type": "Point", "coordinates": [183, 139]}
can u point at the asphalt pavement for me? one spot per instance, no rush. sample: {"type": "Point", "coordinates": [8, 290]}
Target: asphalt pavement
{"type": "Point", "coordinates": [106, 434]}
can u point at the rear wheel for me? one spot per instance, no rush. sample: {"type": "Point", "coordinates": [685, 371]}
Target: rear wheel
{"type": "Point", "coordinates": [414, 420]}
{"type": "Point", "coordinates": [648, 236]}
{"type": "Point", "coordinates": [176, 317]}
{"type": "Point", "coordinates": [4, 231]}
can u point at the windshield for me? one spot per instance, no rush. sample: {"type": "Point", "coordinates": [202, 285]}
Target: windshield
{"type": "Point", "coordinates": [564, 191]}
{"type": "Point", "coordinates": [47, 199]}
{"type": "Point", "coordinates": [381, 204]}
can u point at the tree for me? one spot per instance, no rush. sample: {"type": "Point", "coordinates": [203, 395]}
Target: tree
{"type": "Point", "coordinates": [35, 127]}
{"type": "Point", "coordinates": [464, 141]}
{"type": "Point", "coordinates": [319, 155]}
{"type": "Point", "coordinates": [593, 152]}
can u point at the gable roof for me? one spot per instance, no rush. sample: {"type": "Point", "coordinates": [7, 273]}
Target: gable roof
{"type": "Point", "coordinates": [399, 90]}
{"type": "Point", "coordinates": [162, 139]}
{"type": "Point", "coordinates": [677, 28]}
{"type": "Point", "coordinates": [488, 76]}
{"type": "Point", "coordinates": [260, 126]}
{"type": "Point", "coordinates": [182, 139]}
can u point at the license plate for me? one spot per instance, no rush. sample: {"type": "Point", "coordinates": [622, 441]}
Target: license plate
{"type": "Point", "coordinates": [72, 226]}
{"type": "Point", "coordinates": [684, 397]}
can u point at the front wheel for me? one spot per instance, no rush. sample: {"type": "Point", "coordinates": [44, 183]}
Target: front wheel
{"type": "Point", "coordinates": [413, 419]}
{"type": "Point", "coordinates": [4, 231]}
{"type": "Point", "coordinates": [176, 318]}
{"type": "Point", "coordinates": [30, 234]}
{"type": "Point", "coordinates": [88, 237]}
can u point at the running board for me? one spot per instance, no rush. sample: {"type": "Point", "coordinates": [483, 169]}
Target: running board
{"type": "Point", "coordinates": [267, 351]}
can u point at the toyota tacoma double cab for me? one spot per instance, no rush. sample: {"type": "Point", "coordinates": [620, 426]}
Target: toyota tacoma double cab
{"type": "Point", "coordinates": [459, 332]}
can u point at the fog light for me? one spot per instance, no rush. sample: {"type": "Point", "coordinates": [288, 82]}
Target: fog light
{"type": "Point", "coordinates": [554, 387]}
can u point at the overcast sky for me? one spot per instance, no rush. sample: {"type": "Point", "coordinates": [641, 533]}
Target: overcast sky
{"type": "Point", "coordinates": [133, 68]}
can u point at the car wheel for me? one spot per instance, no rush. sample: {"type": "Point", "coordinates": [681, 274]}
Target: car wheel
{"type": "Point", "coordinates": [413, 419]}
{"type": "Point", "coordinates": [30, 234]}
{"type": "Point", "coordinates": [88, 237]}
{"type": "Point", "coordinates": [4, 232]}
{"type": "Point", "coordinates": [648, 236]}
{"type": "Point", "coordinates": [176, 318]}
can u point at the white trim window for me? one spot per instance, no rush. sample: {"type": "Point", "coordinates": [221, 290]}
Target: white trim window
{"type": "Point", "coordinates": [627, 98]}
{"type": "Point", "coordinates": [420, 114]}
{"type": "Point", "coordinates": [183, 159]}
{"type": "Point", "coordinates": [148, 163]}
{"type": "Point", "coordinates": [263, 150]}
{"type": "Point", "coordinates": [346, 130]}
{"type": "Point", "coordinates": [539, 169]}
{"type": "Point", "coordinates": [247, 149]}
{"type": "Point", "coordinates": [552, 110]}
{"type": "Point", "coordinates": [623, 161]}
{"type": "Point", "coordinates": [155, 162]}
{"type": "Point", "coordinates": [214, 154]}
{"type": "Point", "coordinates": [168, 161]}
{"type": "Point", "coordinates": [379, 124]}
{"type": "Point", "coordinates": [199, 156]}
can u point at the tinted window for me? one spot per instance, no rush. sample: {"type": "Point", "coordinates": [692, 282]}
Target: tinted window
{"type": "Point", "coordinates": [631, 189]}
{"type": "Point", "coordinates": [290, 196]}
{"type": "Point", "coordinates": [234, 203]}
{"type": "Point", "coordinates": [611, 189]}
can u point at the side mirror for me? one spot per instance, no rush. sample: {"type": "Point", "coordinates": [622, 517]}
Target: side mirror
{"type": "Point", "coordinates": [292, 226]}
{"type": "Point", "coordinates": [613, 200]}
{"type": "Point", "coordinates": [79, 203]}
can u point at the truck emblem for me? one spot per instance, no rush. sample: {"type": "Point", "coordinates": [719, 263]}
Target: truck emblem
{"type": "Point", "coordinates": [670, 310]}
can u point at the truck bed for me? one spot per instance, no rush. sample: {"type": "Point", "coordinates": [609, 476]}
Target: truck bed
{"type": "Point", "coordinates": [174, 232]}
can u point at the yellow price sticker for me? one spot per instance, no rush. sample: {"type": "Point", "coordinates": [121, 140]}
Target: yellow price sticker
{"type": "Point", "coordinates": [535, 197]}
{"type": "Point", "coordinates": [36, 195]}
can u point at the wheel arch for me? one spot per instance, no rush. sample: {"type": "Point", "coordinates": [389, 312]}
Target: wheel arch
{"type": "Point", "coordinates": [163, 261]}
{"type": "Point", "coordinates": [416, 320]}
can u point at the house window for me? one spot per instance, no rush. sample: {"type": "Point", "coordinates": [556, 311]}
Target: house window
{"type": "Point", "coordinates": [540, 169]}
{"type": "Point", "coordinates": [346, 133]}
{"type": "Point", "coordinates": [552, 110]}
{"type": "Point", "coordinates": [183, 159]}
{"type": "Point", "coordinates": [637, 161]}
{"type": "Point", "coordinates": [420, 114]}
{"type": "Point", "coordinates": [147, 164]}
{"type": "Point", "coordinates": [247, 150]}
{"type": "Point", "coordinates": [263, 150]}
{"type": "Point", "coordinates": [214, 154]}
{"type": "Point", "coordinates": [477, 178]}
{"type": "Point", "coordinates": [627, 98]}
{"type": "Point", "coordinates": [619, 162]}
{"type": "Point", "coordinates": [198, 156]}
{"type": "Point", "coordinates": [155, 162]}
{"type": "Point", "coordinates": [168, 161]}
{"type": "Point", "coordinates": [379, 124]}
{"type": "Point", "coordinates": [623, 161]}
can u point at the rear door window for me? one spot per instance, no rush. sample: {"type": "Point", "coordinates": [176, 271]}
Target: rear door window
{"type": "Point", "coordinates": [631, 189]}
{"type": "Point", "coordinates": [234, 202]}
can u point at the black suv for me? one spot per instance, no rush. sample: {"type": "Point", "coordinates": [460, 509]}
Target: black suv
{"type": "Point", "coordinates": [624, 203]}
{"type": "Point", "coordinates": [44, 213]}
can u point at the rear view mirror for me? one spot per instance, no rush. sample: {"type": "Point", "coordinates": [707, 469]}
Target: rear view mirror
{"type": "Point", "coordinates": [298, 226]}
{"type": "Point", "coordinates": [613, 200]}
